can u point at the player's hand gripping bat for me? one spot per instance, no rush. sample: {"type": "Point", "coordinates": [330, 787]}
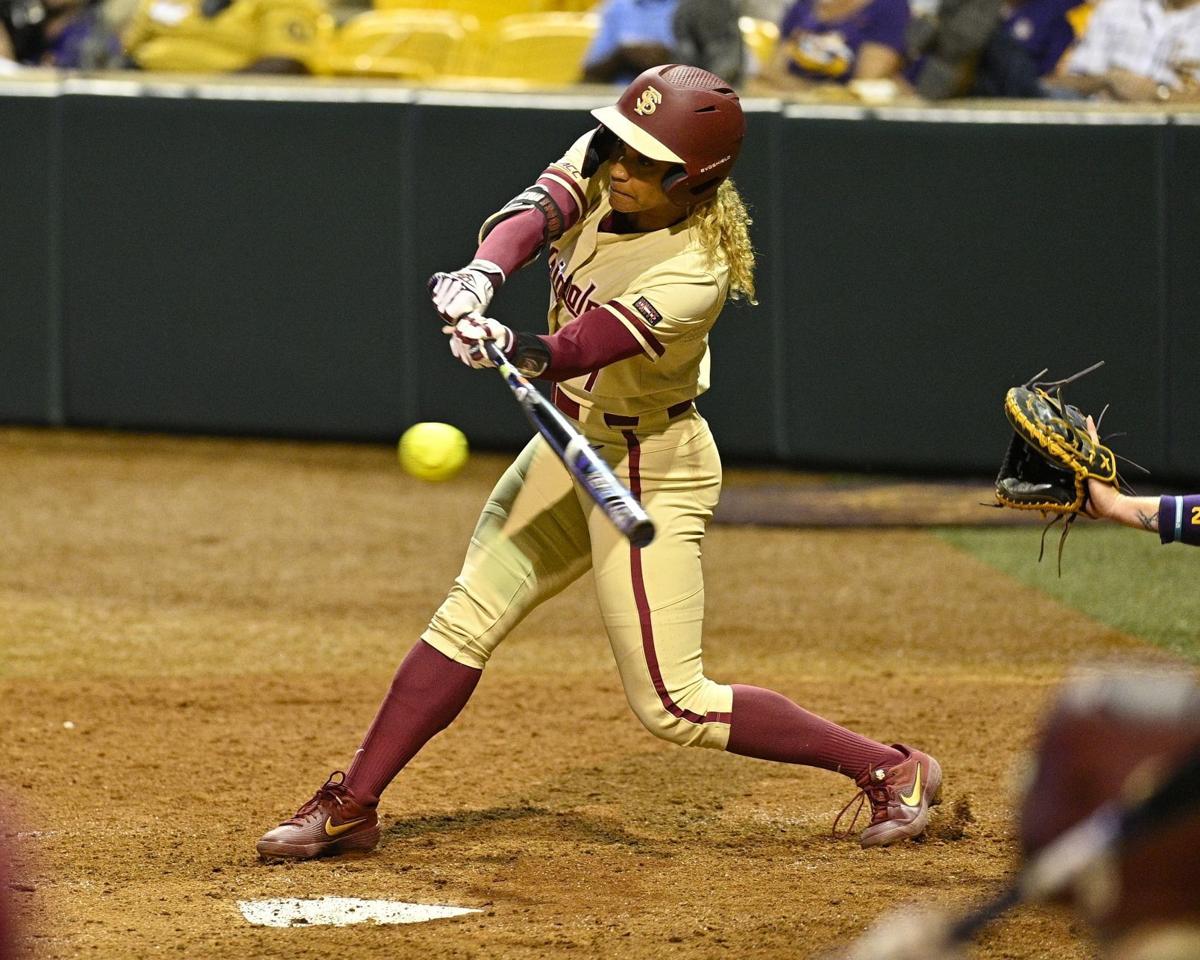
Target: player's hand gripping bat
{"type": "Point", "coordinates": [582, 462]}
{"type": "Point", "coordinates": [915, 935]}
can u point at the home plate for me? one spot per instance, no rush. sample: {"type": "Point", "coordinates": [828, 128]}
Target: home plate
{"type": "Point", "coordinates": [341, 911]}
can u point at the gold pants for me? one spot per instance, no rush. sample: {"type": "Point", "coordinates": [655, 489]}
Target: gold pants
{"type": "Point", "coordinates": [538, 533]}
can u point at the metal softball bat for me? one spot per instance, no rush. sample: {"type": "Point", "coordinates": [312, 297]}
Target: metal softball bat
{"type": "Point", "coordinates": [582, 462]}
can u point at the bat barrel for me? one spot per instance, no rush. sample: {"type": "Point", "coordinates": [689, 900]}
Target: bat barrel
{"type": "Point", "coordinates": [586, 466]}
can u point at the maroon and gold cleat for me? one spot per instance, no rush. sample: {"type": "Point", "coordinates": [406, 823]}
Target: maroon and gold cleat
{"type": "Point", "coordinates": [900, 797]}
{"type": "Point", "coordinates": [331, 822]}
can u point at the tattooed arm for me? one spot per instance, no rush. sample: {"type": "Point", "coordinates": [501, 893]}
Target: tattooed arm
{"type": "Point", "coordinates": [1171, 517]}
{"type": "Point", "coordinates": [1108, 503]}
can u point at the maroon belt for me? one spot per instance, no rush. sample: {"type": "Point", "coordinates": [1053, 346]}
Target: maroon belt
{"type": "Point", "coordinates": [572, 409]}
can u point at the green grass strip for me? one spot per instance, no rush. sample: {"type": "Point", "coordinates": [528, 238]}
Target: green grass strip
{"type": "Point", "coordinates": [1122, 577]}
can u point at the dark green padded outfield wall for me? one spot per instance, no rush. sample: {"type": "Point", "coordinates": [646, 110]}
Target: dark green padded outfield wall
{"type": "Point", "coordinates": [186, 259]}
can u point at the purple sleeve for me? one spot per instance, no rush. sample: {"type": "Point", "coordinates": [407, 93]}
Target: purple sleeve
{"type": "Point", "coordinates": [1059, 36]}
{"type": "Point", "coordinates": [1179, 519]}
{"type": "Point", "coordinates": [887, 24]}
{"type": "Point", "coordinates": [791, 19]}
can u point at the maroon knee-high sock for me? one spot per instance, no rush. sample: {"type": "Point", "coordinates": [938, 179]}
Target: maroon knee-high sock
{"type": "Point", "coordinates": [768, 726]}
{"type": "Point", "coordinates": [427, 693]}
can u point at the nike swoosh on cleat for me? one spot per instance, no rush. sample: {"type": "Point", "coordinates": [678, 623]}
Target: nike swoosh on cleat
{"type": "Point", "coordinates": [341, 828]}
{"type": "Point", "coordinates": [914, 798]}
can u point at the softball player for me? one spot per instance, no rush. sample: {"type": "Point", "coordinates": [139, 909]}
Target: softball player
{"type": "Point", "coordinates": [646, 239]}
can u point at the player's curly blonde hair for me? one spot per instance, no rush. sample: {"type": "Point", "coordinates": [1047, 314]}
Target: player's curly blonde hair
{"type": "Point", "coordinates": [723, 226]}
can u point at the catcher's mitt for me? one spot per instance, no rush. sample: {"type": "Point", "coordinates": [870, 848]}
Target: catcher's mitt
{"type": "Point", "coordinates": [1051, 455]}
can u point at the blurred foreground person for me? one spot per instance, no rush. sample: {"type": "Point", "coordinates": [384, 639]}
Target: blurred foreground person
{"type": "Point", "coordinates": [1114, 737]}
{"type": "Point", "coordinates": [8, 921]}
{"type": "Point", "coordinates": [1109, 824]}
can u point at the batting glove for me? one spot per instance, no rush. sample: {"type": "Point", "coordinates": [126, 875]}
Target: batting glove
{"type": "Point", "coordinates": [468, 335]}
{"type": "Point", "coordinates": [464, 291]}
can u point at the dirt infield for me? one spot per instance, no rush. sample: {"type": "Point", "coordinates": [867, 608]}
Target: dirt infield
{"type": "Point", "coordinates": [193, 633]}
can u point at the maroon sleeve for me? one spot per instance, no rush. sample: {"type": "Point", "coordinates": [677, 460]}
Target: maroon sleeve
{"type": "Point", "coordinates": [512, 243]}
{"type": "Point", "coordinates": [592, 340]}
{"type": "Point", "coordinates": [516, 240]}
{"type": "Point", "coordinates": [566, 192]}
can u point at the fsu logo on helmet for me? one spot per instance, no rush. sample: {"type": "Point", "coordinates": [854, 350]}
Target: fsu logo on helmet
{"type": "Point", "coordinates": [648, 102]}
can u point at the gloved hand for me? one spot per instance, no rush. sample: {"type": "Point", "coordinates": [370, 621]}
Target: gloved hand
{"type": "Point", "coordinates": [1052, 454]}
{"type": "Point", "coordinates": [1054, 457]}
{"type": "Point", "coordinates": [468, 335]}
{"type": "Point", "coordinates": [464, 291]}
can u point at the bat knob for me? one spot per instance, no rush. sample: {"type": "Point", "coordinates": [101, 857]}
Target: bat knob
{"type": "Point", "coordinates": [642, 534]}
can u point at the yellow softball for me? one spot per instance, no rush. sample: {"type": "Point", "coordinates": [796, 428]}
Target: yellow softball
{"type": "Point", "coordinates": [432, 451]}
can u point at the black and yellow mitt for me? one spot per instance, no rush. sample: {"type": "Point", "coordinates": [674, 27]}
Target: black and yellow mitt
{"type": "Point", "coordinates": [1051, 455]}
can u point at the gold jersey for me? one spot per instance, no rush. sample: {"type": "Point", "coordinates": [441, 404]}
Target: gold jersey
{"type": "Point", "coordinates": [661, 285]}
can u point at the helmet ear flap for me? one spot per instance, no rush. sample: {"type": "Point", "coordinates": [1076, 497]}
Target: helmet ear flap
{"type": "Point", "coordinates": [673, 185]}
{"type": "Point", "coordinates": [599, 149]}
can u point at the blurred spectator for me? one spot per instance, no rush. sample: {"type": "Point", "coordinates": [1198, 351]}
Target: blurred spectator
{"type": "Point", "coordinates": [1031, 40]}
{"type": "Point", "coordinates": [839, 41]}
{"type": "Point", "coordinates": [1042, 28]}
{"type": "Point", "coordinates": [228, 36]}
{"type": "Point", "coordinates": [707, 35]}
{"type": "Point", "coordinates": [634, 36]}
{"type": "Point", "coordinates": [21, 31]}
{"type": "Point", "coordinates": [1135, 50]}
{"type": "Point", "coordinates": [944, 43]}
{"type": "Point", "coordinates": [86, 41]}
{"type": "Point", "coordinates": [986, 48]}
{"type": "Point", "coordinates": [763, 9]}
{"type": "Point", "coordinates": [57, 33]}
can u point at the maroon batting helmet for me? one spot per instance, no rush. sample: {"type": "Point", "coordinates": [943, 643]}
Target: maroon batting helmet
{"type": "Point", "coordinates": [685, 115]}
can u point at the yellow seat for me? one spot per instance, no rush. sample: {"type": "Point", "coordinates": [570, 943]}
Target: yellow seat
{"type": "Point", "coordinates": [413, 44]}
{"type": "Point", "coordinates": [485, 11]}
{"type": "Point", "coordinates": [546, 48]}
{"type": "Point", "coordinates": [761, 37]}
{"type": "Point", "coordinates": [175, 35]}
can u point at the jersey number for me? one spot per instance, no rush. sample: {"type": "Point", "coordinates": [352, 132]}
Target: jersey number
{"type": "Point", "coordinates": [1195, 516]}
